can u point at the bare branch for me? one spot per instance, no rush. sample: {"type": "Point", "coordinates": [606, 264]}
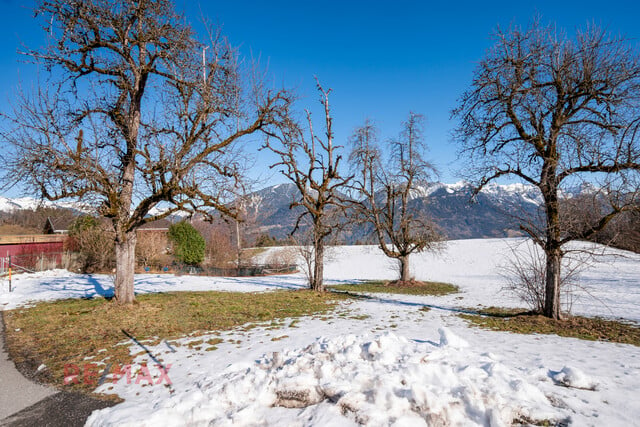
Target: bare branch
{"type": "Point", "coordinates": [384, 194]}
{"type": "Point", "coordinates": [312, 165]}
{"type": "Point", "coordinates": [132, 117]}
{"type": "Point", "coordinates": [552, 110]}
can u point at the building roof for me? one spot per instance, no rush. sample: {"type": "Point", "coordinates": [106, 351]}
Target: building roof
{"type": "Point", "coordinates": [157, 225]}
{"type": "Point", "coordinates": [58, 225]}
{"type": "Point", "coordinates": [31, 238]}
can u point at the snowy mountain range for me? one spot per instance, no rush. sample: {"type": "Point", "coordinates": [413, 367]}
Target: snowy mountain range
{"type": "Point", "coordinates": [490, 214]}
{"type": "Point", "coordinates": [30, 203]}
{"type": "Point", "coordinates": [494, 212]}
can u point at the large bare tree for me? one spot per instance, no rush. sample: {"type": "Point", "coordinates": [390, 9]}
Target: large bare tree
{"type": "Point", "coordinates": [556, 111]}
{"type": "Point", "coordinates": [312, 164]}
{"type": "Point", "coordinates": [384, 189]}
{"type": "Point", "coordinates": [137, 113]}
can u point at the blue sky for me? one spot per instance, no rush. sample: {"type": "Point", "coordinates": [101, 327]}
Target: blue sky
{"type": "Point", "coordinates": [381, 59]}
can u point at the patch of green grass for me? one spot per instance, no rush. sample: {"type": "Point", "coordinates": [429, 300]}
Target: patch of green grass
{"type": "Point", "coordinates": [414, 288]}
{"type": "Point", "coordinates": [68, 331]}
{"type": "Point", "coordinates": [586, 328]}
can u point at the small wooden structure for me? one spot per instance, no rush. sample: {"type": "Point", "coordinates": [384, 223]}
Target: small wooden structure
{"type": "Point", "coordinates": [58, 225]}
{"type": "Point", "coordinates": [29, 251]}
{"type": "Point", "coordinates": [31, 244]}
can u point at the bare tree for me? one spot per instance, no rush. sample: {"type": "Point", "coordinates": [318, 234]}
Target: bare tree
{"type": "Point", "coordinates": [554, 111]}
{"type": "Point", "coordinates": [220, 249]}
{"type": "Point", "coordinates": [621, 232]}
{"type": "Point", "coordinates": [137, 114]}
{"type": "Point", "coordinates": [384, 191]}
{"type": "Point", "coordinates": [524, 273]}
{"type": "Point", "coordinates": [312, 164]}
{"type": "Point", "coordinates": [625, 232]}
{"type": "Point", "coordinates": [151, 248]}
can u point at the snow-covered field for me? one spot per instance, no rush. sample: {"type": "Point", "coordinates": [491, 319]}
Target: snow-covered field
{"type": "Point", "coordinates": [383, 361]}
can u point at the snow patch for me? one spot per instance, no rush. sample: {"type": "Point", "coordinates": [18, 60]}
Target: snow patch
{"type": "Point", "coordinates": [448, 338]}
{"type": "Point", "coordinates": [575, 378]}
{"type": "Point", "coordinates": [350, 380]}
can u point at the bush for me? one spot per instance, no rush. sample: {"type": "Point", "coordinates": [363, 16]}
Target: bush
{"type": "Point", "coordinates": [283, 257]}
{"type": "Point", "coordinates": [151, 249]}
{"type": "Point", "coordinates": [221, 252]}
{"type": "Point", "coordinates": [93, 240]}
{"type": "Point", "coordinates": [188, 243]}
{"type": "Point", "coordinates": [525, 274]}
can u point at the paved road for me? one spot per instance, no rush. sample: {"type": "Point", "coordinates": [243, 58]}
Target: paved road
{"type": "Point", "coordinates": [16, 392]}
{"type": "Point", "coordinates": [25, 403]}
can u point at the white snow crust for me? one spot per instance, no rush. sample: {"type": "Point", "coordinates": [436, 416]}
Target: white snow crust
{"type": "Point", "coordinates": [354, 380]}
{"type": "Point", "coordinates": [382, 360]}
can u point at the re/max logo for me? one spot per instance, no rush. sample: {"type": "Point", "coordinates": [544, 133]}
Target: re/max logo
{"type": "Point", "coordinates": [91, 374]}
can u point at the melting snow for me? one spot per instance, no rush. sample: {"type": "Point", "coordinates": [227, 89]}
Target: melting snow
{"type": "Point", "coordinates": [343, 370]}
{"type": "Point", "coordinates": [351, 380]}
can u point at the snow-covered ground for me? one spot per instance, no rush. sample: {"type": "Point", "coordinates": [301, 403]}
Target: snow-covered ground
{"type": "Point", "coordinates": [61, 284]}
{"type": "Point", "coordinates": [610, 287]}
{"type": "Point", "coordinates": [383, 361]}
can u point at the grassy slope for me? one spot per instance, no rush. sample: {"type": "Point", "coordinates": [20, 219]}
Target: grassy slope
{"type": "Point", "coordinates": [61, 332]}
{"type": "Point", "coordinates": [416, 288]}
{"type": "Point", "coordinates": [586, 328]}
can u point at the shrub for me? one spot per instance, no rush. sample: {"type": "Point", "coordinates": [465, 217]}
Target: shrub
{"type": "Point", "coordinates": [524, 273]}
{"type": "Point", "coordinates": [151, 249]}
{"type": "Point", "coordinates": [282, 257]}
{"type": "Point", "coordinates": [93, 240]}
{"type": "Point", "coordinates": [188, 243]}
{"type": "Point", "coordinates": [221, 252]}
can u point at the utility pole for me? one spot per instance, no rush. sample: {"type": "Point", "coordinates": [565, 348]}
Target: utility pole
{"type": "Point", "coordinates": [204, 65]}
{"type": "Point", "coordinates": [240, 207]}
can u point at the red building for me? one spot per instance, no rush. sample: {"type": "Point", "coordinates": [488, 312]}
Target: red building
{"type": "Point", "coordinates": [27, 250]}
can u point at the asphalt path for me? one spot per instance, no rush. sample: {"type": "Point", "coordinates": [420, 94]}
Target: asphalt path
{"type": "Point", "coordinates": [26, 403]}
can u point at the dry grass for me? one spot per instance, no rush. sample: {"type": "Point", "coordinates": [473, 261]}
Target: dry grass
{"type": "Point", "coordinates": [15, 229]}
{"type": "Point", "coordinates": [410, 288]}
{"type": "Point", "coordinates": [586, 328]}
{"type": "Point", "coordinates": [68, 331]}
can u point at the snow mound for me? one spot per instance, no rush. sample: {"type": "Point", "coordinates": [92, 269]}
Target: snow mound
{"type": "Point", "coordinates": [575, 378]}
{"type": "Point", "coordinates": [349, 380]}
{"type": "Point", "coordinates": [448, 338]}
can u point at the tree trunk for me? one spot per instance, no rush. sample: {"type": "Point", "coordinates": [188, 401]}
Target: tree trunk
{"type": "Point", "coordinates": [318, 265]}
{"type": "Point", "coordinates": [552, 288]}
{"type": "Point", "coordinates": [125, 267]}
{"type": "Point", "coordinates": [405, 276]}
{"type": "Point", "coordinates": [552, 248]}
